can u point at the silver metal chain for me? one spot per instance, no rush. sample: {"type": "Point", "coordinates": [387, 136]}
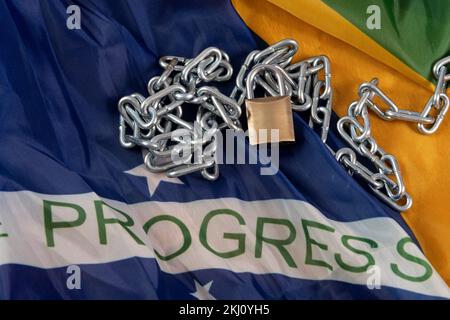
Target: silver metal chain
{"type": "Point", "coordinates": [156, 123]}
{"type": "Point", "coordinates": [386, 180]}
{"type": "Point", "coordinates": [439, 101]}
{"type": "Point", "coordinates": [355, 128]}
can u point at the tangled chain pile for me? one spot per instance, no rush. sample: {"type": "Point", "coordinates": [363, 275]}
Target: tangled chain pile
{"type": "Point", "coordinates": [156, 123]}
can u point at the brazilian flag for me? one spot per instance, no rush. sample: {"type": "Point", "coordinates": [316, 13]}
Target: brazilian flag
{"type": "Point", "coordinates": [82, 218]}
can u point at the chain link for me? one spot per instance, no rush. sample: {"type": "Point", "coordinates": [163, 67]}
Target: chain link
{"type": "Point", "coordinates": [439, 101]}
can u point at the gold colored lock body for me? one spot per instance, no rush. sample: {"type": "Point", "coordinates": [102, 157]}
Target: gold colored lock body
{"type": "Point", "coordinates": [265, 114]}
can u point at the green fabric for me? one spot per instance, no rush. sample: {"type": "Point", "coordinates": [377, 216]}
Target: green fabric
{"type": "Point", "coordinates": [415, 31]}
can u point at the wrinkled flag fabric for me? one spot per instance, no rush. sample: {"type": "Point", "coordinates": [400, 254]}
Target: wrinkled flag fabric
{"type": "Point", "coordinates": [81, 218]}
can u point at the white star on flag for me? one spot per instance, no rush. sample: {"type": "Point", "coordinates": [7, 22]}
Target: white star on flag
{"type": "Point", "coordinates": [153, 179]}
{"type": "Point", "coordinates": [202, 292]}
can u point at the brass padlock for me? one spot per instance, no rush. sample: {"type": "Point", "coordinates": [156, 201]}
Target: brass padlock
{"type": "Point", "coordinates": [264, 114]}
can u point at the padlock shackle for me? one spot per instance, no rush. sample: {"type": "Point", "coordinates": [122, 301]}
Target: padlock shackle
{"type": "Point", "coordinates": [276, 70]}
